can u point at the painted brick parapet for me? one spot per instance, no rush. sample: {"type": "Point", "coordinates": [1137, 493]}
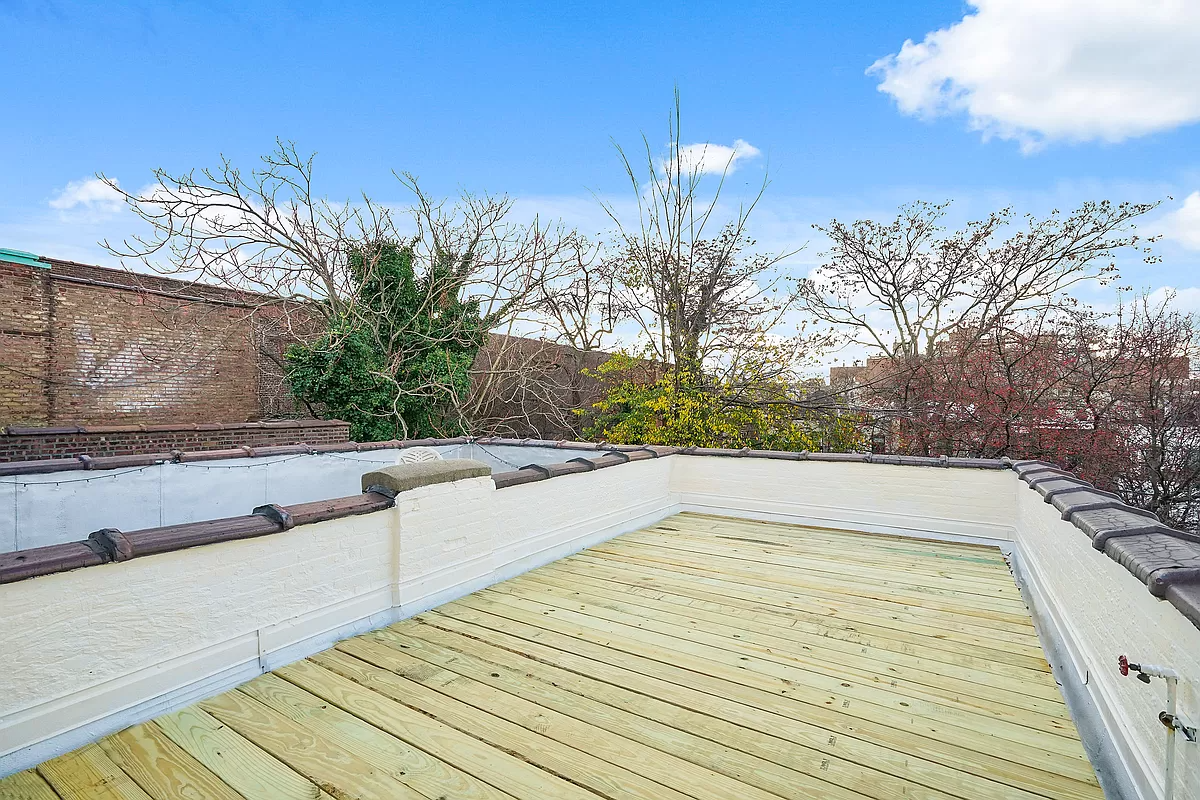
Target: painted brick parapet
{"type": "Point", "coordinates": [20, 443]}
{"type": "Point", "coordinates": [109, 545]}
{"type": "Point", "coordinates": [1165, 559]}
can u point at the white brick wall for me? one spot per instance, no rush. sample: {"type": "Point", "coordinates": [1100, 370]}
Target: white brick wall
{"type": "Point", "coordinates": [871, 497]}
{"type": "Point", "coordinates": [39, 510]}
{"type": "Point", "coordinates": [97, 632]}
{"type": "Point", "coordinates": [1098, 611]}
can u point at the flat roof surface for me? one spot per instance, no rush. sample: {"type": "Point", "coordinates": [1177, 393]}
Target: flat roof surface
{"type": "Point", "coordinates": [702, 657]}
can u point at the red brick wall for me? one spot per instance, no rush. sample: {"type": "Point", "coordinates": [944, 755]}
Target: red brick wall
{"type": "Point", "coordinates": [24, 343]}
{"type": "Point", "coordinates": [76, 349]}
{"type": "Point", "coordinates": [32, 444]}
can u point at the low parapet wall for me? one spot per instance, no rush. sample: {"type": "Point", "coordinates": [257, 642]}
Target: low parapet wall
{"type": "Point", "coordinates": [18, 443]}
{"type": "Point", "coordinates": [40, 508]}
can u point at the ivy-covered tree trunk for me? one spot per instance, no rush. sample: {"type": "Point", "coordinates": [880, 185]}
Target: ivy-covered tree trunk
{"type": "Point", "coordinates": [396, 363]}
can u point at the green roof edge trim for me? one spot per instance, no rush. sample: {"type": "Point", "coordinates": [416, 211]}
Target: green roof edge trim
{"type": "Point", "coordinates": [21, 257]}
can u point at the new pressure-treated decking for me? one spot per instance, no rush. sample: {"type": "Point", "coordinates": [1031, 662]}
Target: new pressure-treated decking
{"type": "Point", "coordinates": [703, 657]}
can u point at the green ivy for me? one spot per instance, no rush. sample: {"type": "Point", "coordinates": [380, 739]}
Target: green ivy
{"type": "Point", "coordinates": [396, 363]}
{"type": "Point", "coordinates": [681, 410]}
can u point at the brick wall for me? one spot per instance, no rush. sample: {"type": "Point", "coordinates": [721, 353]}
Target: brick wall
{"type": "Point", "coordinates": [24, 343]}
{"type": "Point", "coordinates": [31, 444]}
{"type": "Point", "coordinates": [82, 344]}
{"type": "Point", "coordinates": [87, 345]}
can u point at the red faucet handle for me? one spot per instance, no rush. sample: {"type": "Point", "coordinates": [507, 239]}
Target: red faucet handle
{"type": "Point", "coordinates": [1123, 664]}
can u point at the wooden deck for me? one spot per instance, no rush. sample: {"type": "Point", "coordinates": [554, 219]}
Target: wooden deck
{"type": "Point", "coordinates": [703, 657]}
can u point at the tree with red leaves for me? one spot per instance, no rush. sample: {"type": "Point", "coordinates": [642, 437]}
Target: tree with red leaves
{"type": "Point", "coordinates": [1114, 401]}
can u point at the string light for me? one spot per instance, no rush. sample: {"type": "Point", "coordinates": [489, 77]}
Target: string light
{"type": "Point", "coordinates": [77, 480]}
{"type": "Point", "coordinates": [493, 455]}
{"type": "Point", "coordinates": [195, 465]}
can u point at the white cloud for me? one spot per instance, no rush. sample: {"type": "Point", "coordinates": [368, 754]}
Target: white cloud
{"type": "Point", "coordinates": [1041, 70]}
{"type": "Point", "coordinates": [1183, 224]}
{"type": "Point", "coordinates": [714, 158]}
{"type": "Point", "coordinates": [91, 194]}
{"type": "Point", "coordinates": [1186, 300]}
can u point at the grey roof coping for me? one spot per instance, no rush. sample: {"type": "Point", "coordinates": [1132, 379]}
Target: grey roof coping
{"type": "Point", "coordinates": [1091, 500]}
{"type": "Point", "coordinates": [1147, 556]}
{"type": "Point", "coordinates": [1059, 483]}
{"type": "Point", "coordinates": [1186, 599]}
{"type": "Point", "coordinates": [1102, 524]}
{"type": "Point", "coordinates": [976, 463]}
{"type": "Point", "coordinates": [1036, 479]}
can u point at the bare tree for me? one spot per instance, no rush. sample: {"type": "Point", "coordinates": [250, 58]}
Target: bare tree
{"type": "Point", "coordinates": [270, 234]}
{"type": "Point", "coordinates": [695, 287]}
{"type": "Point", "coordinates": [901, 287]}
{"type": "Point", "coordinates": [533, 375]}
{"type": "Point", "coordinates": [1159, 397]}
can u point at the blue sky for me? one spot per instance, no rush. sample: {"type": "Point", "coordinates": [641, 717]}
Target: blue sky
{"type": "Point", "coordinates": [1034, 103]}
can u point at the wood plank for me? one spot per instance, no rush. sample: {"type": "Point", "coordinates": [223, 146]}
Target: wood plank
{"type": "Point", "coordinates": [875, 538]}
{"type": "Point", "coordinates": [908, 735]}
{"type": "Point", "coordinates": [768, 762]}
{"type": "Point", "coordinates": [1028, 738]}
{"type": "Point", "coordinates": [748, 708]}
{"type": "Point", "coordinates": [27, 785]}
{"type": "Point", "coordinates": [928, 605]}
{"type": "Point", "coordinates": [977, 690]}
{"type": "Point", "coordinates": [984, 554]}
{"type": "Point", "coordinates": [951, 633]}
{"type": "Point", "coordinates": [916, 568]}
{"type": "Point", "coordinates": [377, 699]}
{"type": "Point", "coordinates": [162, 768]}
{"type": "Point", "coordinates": [701, 657]}
{"type": "Point", "coordinates": [901, 575]}
{"type": "Point", "coordinates": [860, 545]}
{"type": "Point", "coordinates": [89, 774]}
{"type": "Point", "coordinates": [890, 589]}
{"type": "Point", "coordinates": [846, 622]}
{"type": "Point", "coordinates": [769, 545]}
{"type": "Point", "coordinates": [251, 771]}
{"type": "Point", "coordinates": [1034, 688]}
{"type": "Point", "coordinates": [416, 768]}
{"type": "Point", "coordinates": [685, 778]}
{"type": "Point", "coordinates": [335, 769]}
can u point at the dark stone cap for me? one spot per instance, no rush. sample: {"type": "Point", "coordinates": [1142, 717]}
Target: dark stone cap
{"type": "Point", "coordinates": [403, 477]}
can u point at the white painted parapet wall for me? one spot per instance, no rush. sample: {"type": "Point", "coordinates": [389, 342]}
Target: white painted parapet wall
{"type": "Point", "coordinates": [93, 650]}
{"type": "Point", "coordinates": [41, 509]}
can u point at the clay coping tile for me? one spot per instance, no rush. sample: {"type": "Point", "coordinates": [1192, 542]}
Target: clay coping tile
{"type": "Point", "coordinates": [503, 480]}
{"type": "Point", "coordinates": [120, 462]}
{"type": "Point", "coordinates": [564, 468]}
{"type": "Point", "coordinates": [1186, 599]}
{"type": "Point", "coordinates": [103, 429]}
{"type": "Point", "coordinates": [281, 450]}
{"type": "Point", "coordinates": [213, 455]}
{"type": "Point", "coordinates": [109, 545]}
{"type": "Point", "coordinates": [21, 430]}
{"type": "Point", "coordinates": [22, 564]}
{"type": "Point", "coordinates": [42, 466]}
